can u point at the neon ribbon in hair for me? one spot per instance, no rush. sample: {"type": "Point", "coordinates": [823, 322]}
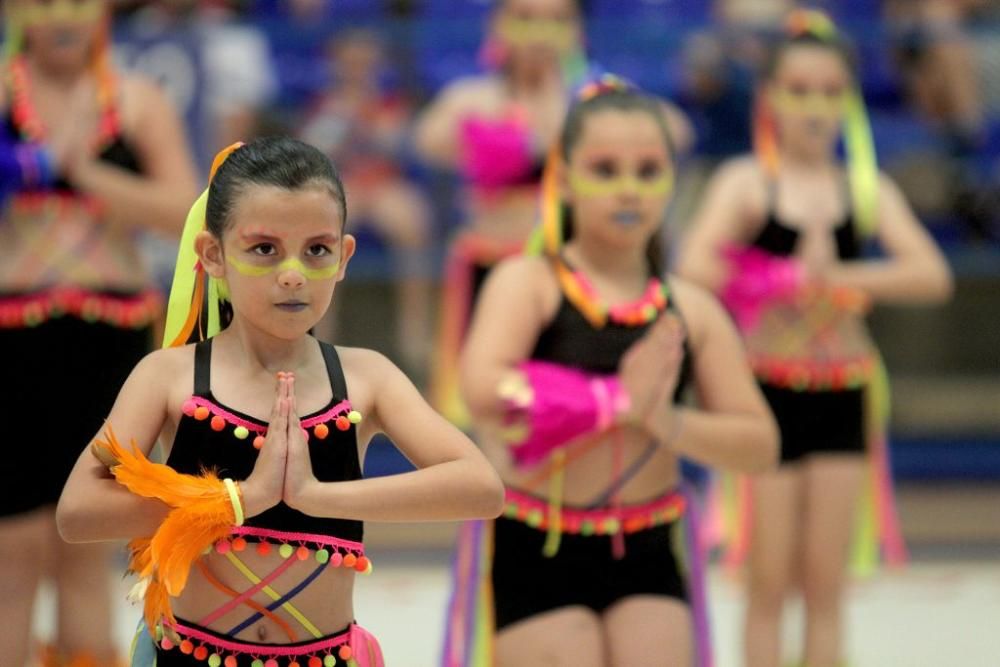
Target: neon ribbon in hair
{"type": "Point", "coordinates": [190, 284]}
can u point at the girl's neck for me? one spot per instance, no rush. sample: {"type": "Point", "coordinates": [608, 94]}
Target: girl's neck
{"type": "Point", "coordinates": [263, 352]}
{"type": "Point", "coordinates": [807, 158]}
{"type": "Point", "coordinates": [52, 76]}
{"type": "Point", "coordinates": [533, 81]}
{"type": "Point", "coordinates": [596, 258]}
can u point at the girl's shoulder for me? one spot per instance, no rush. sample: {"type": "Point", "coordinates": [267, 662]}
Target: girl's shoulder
{"type": "Point", "coordinates": [172, 369]}
{"type": "Point", "coordinates": [698, 308]}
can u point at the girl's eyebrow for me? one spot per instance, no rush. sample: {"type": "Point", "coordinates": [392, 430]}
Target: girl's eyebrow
{"type": "Point", "coordinates": [258, 235]}
{"type": "Point", "coordinates": [324, 238]}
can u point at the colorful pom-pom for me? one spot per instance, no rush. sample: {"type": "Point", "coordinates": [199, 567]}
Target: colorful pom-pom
{"type": "Point", "coordinates": [321, 431]}
{"type": "Point", "coordinates": [368, 570]}
{"type": "Point", "coordinates": [214, 660]}
{"type": "Point", "coordinates": [587, 528]}
{"type": "Point", "coordinates": [231, 661]}
{"type": "Point", "coordinates": [188, 407]}
{"type": "Point", "coordinates": [336, 559]}
{"type": "Point", "coordinates": [285, 550]}
{"type": "Point", "coordinates": [322, 556]}
{"type": "Point", "coordinates": [258, 442]}
{"type": "Point", "coordinates": [257, 663]}
{"type": "Point", "coordinates": [534, 518]}
{"type": "Point", "coordinates": [343, 423]}
{"type": "Point", "coordinates": [271, 663]}
{"type": "Point", "coordinates": [241, 432]}
{"type": "Point", "coordinates": [218, 423]}
{"type": "Point", "coordinates": [362, 564]}
{"type": "Point", "coordinates": [293, 663]}
{"type": "Point", "coordinates": [315, 662]}
{"type": "Point", "coordinates": [187, 648]}
{"type": "Point", "coordinates": [223, 546]}
{"type": "Point", "coordinates": [302, 553]}
{"type": "Point", "coordinates": [350, 560]}
{"type": "Point", "coordinates": [345, 652]}
{"type": "Point", "coordinates": [239, 544]}
{"type": "Point", "coordinates": [263, 548]}
{"type": "Point", "coordinates": [166, 644]}
{"type": "Point", "coordinates": [201, 413]}
{"type": "Point", "coordinates": [354, 417]}
{"type": "Point", "coordinates": [329, 661]}
{"type": "Point", "coordinates": [200, 653]}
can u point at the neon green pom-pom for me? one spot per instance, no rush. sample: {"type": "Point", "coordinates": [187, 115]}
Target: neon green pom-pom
{"type": "Point", "coordinates": [214, 660]}
{"type": "Point", "coordinates": [329, 661]}
{"type": "Point", "coordinates": [241, 432]}
{"type": "Point", "coordinates": [322, 556]}
{"type": "Point", "coordinates": [354, 417]}
{"type": "Point", "coordinates": [286, 550]}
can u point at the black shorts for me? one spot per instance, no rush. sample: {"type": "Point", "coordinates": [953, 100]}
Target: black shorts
{"type": "Point", "coordinates": [817, 422]}
{"type": "Point", "coordinates": [583, 572]}
{"type": "Point", "coordinates": [61, 379]}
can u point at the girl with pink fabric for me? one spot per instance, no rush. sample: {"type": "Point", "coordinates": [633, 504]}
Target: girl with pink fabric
{"type": "Point", "coordinates": [573, 369]}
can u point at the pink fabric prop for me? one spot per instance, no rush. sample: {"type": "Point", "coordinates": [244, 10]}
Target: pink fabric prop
{"type": "Point", "coordinates": [755, 278]}
{"type": "Point", "coordinates": [563, 404]}
{"type": "Point", "coordinates": [495, 153]}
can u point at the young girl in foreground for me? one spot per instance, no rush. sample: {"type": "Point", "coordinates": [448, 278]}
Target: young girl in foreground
{"type": "Point", "coordinates": [283, 418]}
{"type": "Point", "coordinates": [792, 221]}
{"type": "Point", "coordinates": [572, 370]}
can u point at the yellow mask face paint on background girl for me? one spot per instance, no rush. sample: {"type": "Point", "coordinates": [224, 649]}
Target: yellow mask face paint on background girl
{"type": "Point", "coordinates": [818, 103]}
{"type": "Point", "coordinates": [588, 186]}
{"type": "Point", "coordinates": [32, 14]}
{"type": "Point", "coordinates": [292, 263]}
{"type": "Point", "coordinates": [560, 35]}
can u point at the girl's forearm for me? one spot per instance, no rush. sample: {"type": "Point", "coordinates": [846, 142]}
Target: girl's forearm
{"type": "Point", "coordinates": [108, 512]}
{"type": "Point", "coordinates": [747, 443]}
{"type": "Point", "coordinates": [451, 491]}
{"type": "Point", "coordinates": [896, 281]}
{"type": "Point", "coordinates": [162, 205]}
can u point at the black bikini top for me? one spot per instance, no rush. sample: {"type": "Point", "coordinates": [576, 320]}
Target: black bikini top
{"type": "Point", "coordinates": [216, 437]}
{"type": "Point", "coordinates": [777, 238]}
{"type": "Point", "coordinates": [571, 340]}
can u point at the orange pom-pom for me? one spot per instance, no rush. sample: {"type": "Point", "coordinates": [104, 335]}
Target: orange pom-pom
{"type": "Point", "coordinates": [345, 652]}
{"type": "Point", "coordinates": [201, 413]}
{"type": "Point", "coordinates": [350, 560]}
{"type": "Point", "coordinates": [218, 423]}
{"type": "Point", "coordinates": [361, 565]}
{"type": "Point", "coordinates": [263, 548]}
{"type": "Point", "coordinates": [187, 648]}
{"type": "Point", "coordinates": [302, 553]}
{"type": "Point", "coordinates": [321, 431]}
{"type": "Point", "coordinates": [258, 442]}
{"type": "Point", "coordinates": [343, 423]}
{"type": "Point", "coordinates": [230, 661]}
{"type": "Point", "coordinates": [200, 653]}
{"type": "Point", "coordinates": [315, 662]}
{"type": "Point", "coordinates": [239, 544]}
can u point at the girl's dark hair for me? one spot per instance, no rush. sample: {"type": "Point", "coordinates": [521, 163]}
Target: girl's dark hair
{"type": "Point", "coordinates": [616, 100]}
{"type": "Point", "coordinates": [836, 44]}
{"type": "Point", "coordinates": [281, 162]}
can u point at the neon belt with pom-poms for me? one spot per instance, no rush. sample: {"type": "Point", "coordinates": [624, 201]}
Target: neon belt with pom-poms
{"type": "Point", "coordinates": [535, 512]}
{"type": "Point", "coordinates": [353, 647]}
{"type": "Point", "coordinates": [124, 311]}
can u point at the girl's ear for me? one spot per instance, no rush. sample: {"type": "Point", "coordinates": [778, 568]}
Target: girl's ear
{"type": "Point", "coordinates": [347, 247]}
{"type": "Point", "coordinates": [209, 249]}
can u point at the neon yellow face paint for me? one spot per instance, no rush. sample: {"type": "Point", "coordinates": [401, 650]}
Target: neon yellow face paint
{"type": "Point", "coordinates": [814, 103]}
{"type": "Point", "coordinates": [561, 35]}
{"type": "Point", "coordinates": [586, 186]}
{"type": "Point", "coordinates": [74, 11]}
{"type": "Point", "coordinates": [290, 264]}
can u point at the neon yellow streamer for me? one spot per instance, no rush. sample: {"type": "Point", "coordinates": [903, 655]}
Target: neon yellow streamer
{"type": "Point", "coordinates": [185, 271]}
{"type": "Point", "coordinates": [274, 595]}
{"type": "Point", "coordinates": [862, 166]}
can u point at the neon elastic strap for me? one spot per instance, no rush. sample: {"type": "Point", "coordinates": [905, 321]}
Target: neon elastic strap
{"type": "Point", "coordinates": [234, 498]}
{"type": "Point", "coordinates": [277, 603]}
{"type": "Point", "coordinates": [211, 579]}
{"type": "Point", "coordinates": [274, 595]}
{"type": "Point", "coordinates": [247, 594]}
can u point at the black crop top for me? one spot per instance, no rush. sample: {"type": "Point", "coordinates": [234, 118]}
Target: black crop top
{"type": "Point", "coordinates": [213, 436]}
{"type": "Point", "coordinates": [779, 239]}
{"type": "Point", "coordinates": [570, 340]}
{"type": "Point", "coordinates": [118, 152]}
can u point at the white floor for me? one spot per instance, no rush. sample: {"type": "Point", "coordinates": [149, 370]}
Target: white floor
{"type": "Point", "coordinates": [932, 615]}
